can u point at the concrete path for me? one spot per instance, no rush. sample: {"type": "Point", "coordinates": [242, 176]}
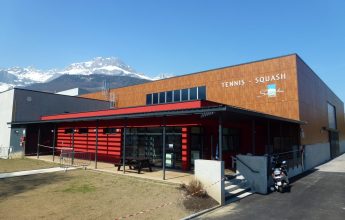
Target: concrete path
{"type": "Point", "coordinates": [320, 194]}
{"type": "Point", "coordinates": [31, 172]}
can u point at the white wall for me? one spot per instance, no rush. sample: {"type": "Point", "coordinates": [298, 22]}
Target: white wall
{"type": "Point", "coordinates": [210, 173]}
{"type": "Point", "coordinates": [6, 106]}
{"type": "Point", "coordinates": [316, 154]}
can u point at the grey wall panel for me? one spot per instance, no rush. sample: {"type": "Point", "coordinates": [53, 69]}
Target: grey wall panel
{"type": "Point", "coordinates": [31, 105]}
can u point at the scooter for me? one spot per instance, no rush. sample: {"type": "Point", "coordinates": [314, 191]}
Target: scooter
{"type": "Point", "coordinates": [279, 175]}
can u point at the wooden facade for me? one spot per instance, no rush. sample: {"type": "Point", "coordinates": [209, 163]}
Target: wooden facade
{"type": "Point", "coordinates": [283, 86]}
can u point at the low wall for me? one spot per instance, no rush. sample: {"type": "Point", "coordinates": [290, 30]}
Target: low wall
{"type": "Point", "coordinates": [211, 173]}
{"type": "Point", "coordinates": [316, 154]}
{"type": "Point", "coordinates": [257, 180]}
{"type": "Point", "coordinates": [342, 147]}
{"type": "Point", "coordinates": [295, 171]}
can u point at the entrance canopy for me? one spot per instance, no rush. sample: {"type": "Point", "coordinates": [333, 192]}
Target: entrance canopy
{"type": "Point", "coordinates": [203, 108]}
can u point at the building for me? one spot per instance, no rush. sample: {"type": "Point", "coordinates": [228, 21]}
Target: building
{"type": "Point", "coordinates": [19, 105]}
{"type": "Point", "coordinates": [73, 92]}
{"type": "Point", "coordinates": [276, 105]}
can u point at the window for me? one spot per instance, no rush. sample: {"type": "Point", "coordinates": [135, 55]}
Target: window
{"type": "Point", "coordinates": [231, 139]}
{"type": "Point", "coordinates": [149, 99]}
{"type": "Point", "coordinates": [169, 96]}
{"type": "Point", "coordinates": [155, 98]}
{"type": "Point", "coordinates": [202, 92]}
{"type": "Point", "coordinates": [162, 97]}
{"type": "Point", "coordinates": [83, 130]}
{"type": "Point", "coordinates": [69, 131]}
{"type": "Point", "coordinates": [184, 94]}
{"type": "Point", "coordinates": [177, 95]}
{"type": "Point", "coordinates": [332, 118]}
{"type": "Point", "coordinates": [193, 93]}
{"type": "Point", "coordinates": [109, 130]}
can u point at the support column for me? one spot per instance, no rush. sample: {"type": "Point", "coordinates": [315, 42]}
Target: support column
{"type": "Point", "coordinates": [73, 146]}
{"type": "Point", "coordinates": [124, 148]}
{"type": "Point", "coordinates": [164, 156]}
{"type": "Point", "coordinates": [54, 140]}
{"type": "Point", "coordinates": [220, 138]}
{"type": "Point", "coordinates": [96, 150]}
{"type": "Point", "coordinates": [253, 137]}
{"type": "Point", "coordinates": [38, 142]}
{"type": "Point", "coordinates": [268, 150]}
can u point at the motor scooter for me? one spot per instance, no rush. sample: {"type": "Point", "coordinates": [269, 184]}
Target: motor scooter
{"type": "Point", "coordinates": [279, 175]}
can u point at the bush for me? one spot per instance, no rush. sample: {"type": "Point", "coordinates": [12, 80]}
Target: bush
{"type": "Point", "coordinates": [194, 188]}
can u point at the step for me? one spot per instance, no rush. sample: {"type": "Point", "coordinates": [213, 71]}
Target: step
{"type": "Point", "coordinates": [229, 186]}
{"type": "Point", "coordinates": [236, 193]}
{"type": "Point", "coordinates": [236, 198]}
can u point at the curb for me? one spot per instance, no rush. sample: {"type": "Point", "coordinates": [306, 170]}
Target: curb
{"type": "Point", "coordinates": [201, 212]}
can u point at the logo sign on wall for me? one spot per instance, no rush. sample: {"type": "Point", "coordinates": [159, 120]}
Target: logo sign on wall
{"type": "Point", "coordinates": [271, 89]}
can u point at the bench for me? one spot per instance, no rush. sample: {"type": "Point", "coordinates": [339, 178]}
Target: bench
{"type": "Point", "coordinates": [135, 164]}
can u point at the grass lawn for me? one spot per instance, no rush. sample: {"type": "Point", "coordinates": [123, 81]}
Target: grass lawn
{"type": "Point", "coordinates": [85, 194]}
{"type": "Point", "coordinates": [13, 165]}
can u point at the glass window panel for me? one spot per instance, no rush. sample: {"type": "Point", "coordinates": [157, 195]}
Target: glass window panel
{"type": "Point", "coordinates": [193, 93]}
{"type": "Point", "coordinates": [69, 131]}
{"type": "Point", "coordinates": [162, 97]}
{"type": "Point", "coordinates": [184, 94]}
{"type": "Point", "coordinates": [155, 98]}
{"type": "Point", "coordinates": [202, 92]}
{"type": "Point", "coordinates": [177, 95]}
{"type": "Point", "coordinates": [169, 96]}
{"type": "Point", "coordinates": [149, 99]}
{"type": "Point", "coordinates": [332, 121]}
{"type": "Point", "coordinates": [83, 130]}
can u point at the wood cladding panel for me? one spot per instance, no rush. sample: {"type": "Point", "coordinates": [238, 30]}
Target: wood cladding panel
{"type": "Point", "coordinates": [249, 95]}
{"type": "Point", "coordinates": [313, 98]}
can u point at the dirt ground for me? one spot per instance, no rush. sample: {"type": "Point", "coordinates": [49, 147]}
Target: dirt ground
{"type": "Point", "coordinates": [12, 165]}
{"type": "Point", "coordinates": [85, 194]}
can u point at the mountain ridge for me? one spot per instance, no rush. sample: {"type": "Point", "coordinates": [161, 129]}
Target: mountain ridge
{"type": "Point", "coordinates": [107, 69]}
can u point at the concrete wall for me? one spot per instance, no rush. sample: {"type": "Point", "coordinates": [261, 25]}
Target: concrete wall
{"type": "Point", "coordinates": [257, 180]}
{"type": "Point", "coordinates": [295, 171]}
{"type": "Point", "coordinates": [316, 154]}
{"type": "Point", "coordinates": [211, 173]}
{"type": "Point", "coordinates": [31, 105]}
{"type": "Point", "coordinates": [342, 147]}
{"type": "Point", "coordinates": [6, 102]}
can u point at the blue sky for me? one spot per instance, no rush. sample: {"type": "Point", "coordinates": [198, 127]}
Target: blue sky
{"type": "Point", "coordinates": [175, 37]}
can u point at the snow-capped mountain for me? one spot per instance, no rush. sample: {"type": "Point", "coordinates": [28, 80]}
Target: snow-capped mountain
{"type": "Point", "coordinates": [23, 77]}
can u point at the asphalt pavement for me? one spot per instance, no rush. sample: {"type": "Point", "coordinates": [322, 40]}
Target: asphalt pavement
{"type": "Point", "coordinates": [318, 194]}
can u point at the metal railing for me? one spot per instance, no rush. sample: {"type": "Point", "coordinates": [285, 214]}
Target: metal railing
{"type": "Point", "coordinates": [235, 159]}
{"type": "Point", "coordinates": [293, 158]}
{"type": "Point", "coordinates": [70, 158]}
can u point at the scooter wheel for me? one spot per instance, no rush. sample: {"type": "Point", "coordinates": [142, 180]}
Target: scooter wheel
{"type": "Point", "coordinates": [280, 189]}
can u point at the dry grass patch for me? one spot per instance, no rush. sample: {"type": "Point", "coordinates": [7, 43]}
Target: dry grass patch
{"type": "Point", "coordinates": [13, 165]}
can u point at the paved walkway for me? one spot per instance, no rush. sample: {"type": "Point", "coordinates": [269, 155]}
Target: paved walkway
{"type": "Point", "coordinates": [320, 194]}
{"type": "Point", "coordinates": [31, 172]}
